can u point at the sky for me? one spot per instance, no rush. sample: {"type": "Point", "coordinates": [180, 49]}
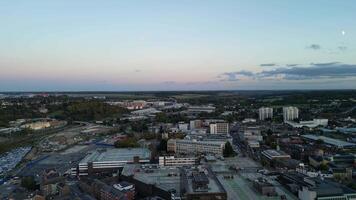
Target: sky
{"type": "Point", "coordinates": [116, 45]}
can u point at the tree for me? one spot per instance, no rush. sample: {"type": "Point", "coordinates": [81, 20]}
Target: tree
{"type": "Point", "coordinates": [228, 151]}
{"type": "Point", "coordinates": [130, 142]}
{"type": "Point", "coordinates": [162, 145]}
{"type": "Point", "coordinates": [28, 182]}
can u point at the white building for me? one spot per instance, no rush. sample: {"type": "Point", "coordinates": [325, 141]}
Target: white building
{"type": "Point", "coordinates": [195, 147]}
{"type": "Point", "coordinates": [177, 161]}
{"type": "Point", "coordinates": [219, 128]}
{"type": "Point", "coordinates": [290, 113]}
{"type": "Point", "coordinates": [310, 124]}
{"type": "Point", "coordinates": [104, 160]}
{"type": "Point", "coordinates": [183, 126]}
{"type": "Point", "coordinates": [201, 109]}
{"type": "Point", "coordinates": [265, 113]}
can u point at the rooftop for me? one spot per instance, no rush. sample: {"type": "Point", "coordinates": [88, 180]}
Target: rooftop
{"type": "Point", "coordinates": [166, 178]}
{"type": "Point", "coordinates": [331, 141]}
{"type": "Point", "coordinates": [127, 154]}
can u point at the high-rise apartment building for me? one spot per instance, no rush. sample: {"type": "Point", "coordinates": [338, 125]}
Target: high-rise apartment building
{"type": "Point", "coordinates": [290, 113]}
{"type": "Point", "coordinates": [265, 113]}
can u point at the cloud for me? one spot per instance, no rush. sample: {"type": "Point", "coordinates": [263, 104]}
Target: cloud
{"type": "Point", "coordinates": [268, 65]}
{"type": "Point", "coordinates": [137, 70]}
{"type": "Point", "coordinates": [313, 71]}
{"type": "Point", "coordinates": [342, 48]}
{"type": "Point", "coordinates": [235, 76]}
{"type": "Point", "coordinates": [314, 47]}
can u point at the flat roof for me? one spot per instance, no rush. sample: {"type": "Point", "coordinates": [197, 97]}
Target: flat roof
{"type": "Point", "coordinates": [330, 141]}
{"type": "Point", "coordinates": [166, 178]}
{"type": "Point", "coordinates": [116, 154]}
{"type": "Point", "coordinates": [214, 186]}
{"type": "Point", "coordinates": [273, 153]}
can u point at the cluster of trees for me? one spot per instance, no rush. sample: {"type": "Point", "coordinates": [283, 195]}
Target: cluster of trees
{"type": "Point", "coordinates": [171, 118]}
{"type": "Point", "coordinates": [29, 183]}
{"type": "Point", "coordinates": [86, 111]}
{"type": "Point", "coordinates": [228, 150]}
{"type": "Point", "coordinates": [14, 112]}
{"type": "Point", "coordinates": [128, 143]}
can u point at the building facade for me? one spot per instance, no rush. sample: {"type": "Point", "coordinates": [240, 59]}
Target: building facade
{"type": "Point", "coordinates": [219, 128]}
{"type": "Point", "coordinates": [265, 113]}
{"type": "Point", "coordinates": [290, 113]}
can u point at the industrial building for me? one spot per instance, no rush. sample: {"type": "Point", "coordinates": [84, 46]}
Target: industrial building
{"type": "Point", "coordinates": [111, 160]}
{"type": "Point", "coordinates": [330, 141]}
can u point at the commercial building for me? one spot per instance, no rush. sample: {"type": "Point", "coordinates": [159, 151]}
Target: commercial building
{"type": "Point", "coordinates": [188, 147]}
{"type": "Point", "coordinates": [201, 183]}
{"type": "Point", "coordinates": [264, 187]}
{"type": "Point", "coordinates": [265, 113]}
{"type": "Point", "coordinates": [310, 124]}
{"type": "Point", "coordinates": [251, 134]}
{"type": "Point", "coordinates": [183, 126]}
{"type": "Point", "coordinates": [307, 188]}
{"type": "Point", "coordinates": [196, 124]}
{"type": "Point", "coordinates": [154, 180]}
{"type": "Point", "coordinates": [111, 160]}
{"type": "Point", "coordinates": [101, 190]}
{"type": "Point", "coordinates": [290, 113]}
{"type": "Point", "coordinates": [177, 161]}
{"type": "Point", "coordinates": [219, 128]}
{"type": "Point", "coordinates": [271, 156]}
{"type": "Point", "coordinates": [200, 109]}
{"type": "Point", "coordinates": [330, 141]}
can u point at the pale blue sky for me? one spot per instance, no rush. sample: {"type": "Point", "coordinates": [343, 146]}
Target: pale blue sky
{"type": "Point", "coordinates": [176, 45]}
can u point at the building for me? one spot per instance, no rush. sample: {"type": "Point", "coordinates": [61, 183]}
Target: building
{"type": "Point", "coordinates": [154, 180]}
{"type": "Point", "coordinates": [127, 188]}
{"type": "Point", "coordinates": [290, 113]}
{"type": "Point", "coordinates": [101, 190]}
{"type": "Point", "coordinates": [187, 147]}
{"type": "Point", "coordinates": [200, 109]}
{"type": "Point", "coordinates": [251, 134]}
{"type": "Point", "coordinates": [219, 128]}
{"type": "Point", "coordinates": [271, 156]}
{"type": "Point", "coordinates": [183, 126]}
{"type": "Point", "coordinates": [195, 124]}
{"type": "Point", "coordinates": [330, 141]}
{"type": "Point", "coordinates": [111, 160]}
{"type": "Point", "coordinates": [264, 187]}
{"type": "Point", "coordinates": [310, 124]}
{"type": "Point", "coordinates": [265, 113]}
{"type": "Point", "coordinates": [201, 183]}
{"type": "Point", "coordinates": [50, 181]}
{"type": "Point", "coordinates": [177, 161]}
{"type": "Point", "coordinates": [307, 188]}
